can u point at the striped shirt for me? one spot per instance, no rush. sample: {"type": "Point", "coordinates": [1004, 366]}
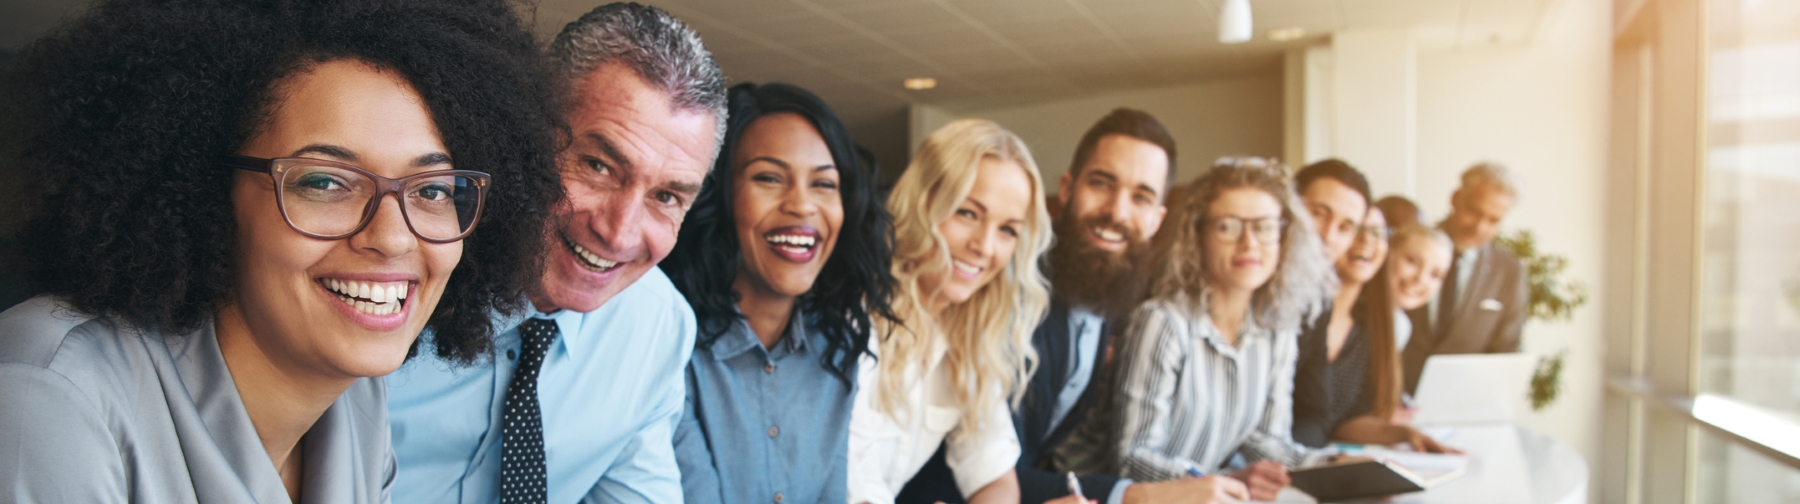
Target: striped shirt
{"type": "Point", "coordinates": [1182, 396]}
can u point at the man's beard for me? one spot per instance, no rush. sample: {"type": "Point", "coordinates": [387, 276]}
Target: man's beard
{"type": "Point", "coordinates": [1110, 284]}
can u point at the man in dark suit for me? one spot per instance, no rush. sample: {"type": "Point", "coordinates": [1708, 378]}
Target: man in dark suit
{"type": "Point", "coordinates": [1482, 306]}
{"type": "Point", "coordinates": [1108, 205]}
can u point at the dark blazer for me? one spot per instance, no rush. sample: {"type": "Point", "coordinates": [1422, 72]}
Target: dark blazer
{"type": "Point", "coordinates": [1312, 383]}
{"type": "Point", "coordinates": [1487, 318]}
{"type": "Point", "coordinates": [1037, 438]}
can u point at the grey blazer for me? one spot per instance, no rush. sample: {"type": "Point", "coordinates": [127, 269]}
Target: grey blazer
{"type": "Point", "coordinates": [92, 411]}
{"type": "Point", "coordinates": [1486, 319]}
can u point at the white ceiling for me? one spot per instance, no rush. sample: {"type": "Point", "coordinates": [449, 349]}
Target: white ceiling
{"type": "Point", "coordinates": [998, 52]}
{"type": "Point", "coordinates": [988, 53]}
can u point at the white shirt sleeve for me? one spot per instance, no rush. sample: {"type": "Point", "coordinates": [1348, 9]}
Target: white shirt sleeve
{"type": "Point", "coordinates": [1402, 330]}
{"type": "Point", "coordinates": [871, 439]}
{"type": "Point", "coordinates": [980, 456]}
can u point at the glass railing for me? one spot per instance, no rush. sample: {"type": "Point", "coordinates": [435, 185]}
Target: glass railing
{"type": "Point", "coordinates": [1730, 472]}
{"type": "Point", "coordinates": [1775, 435]}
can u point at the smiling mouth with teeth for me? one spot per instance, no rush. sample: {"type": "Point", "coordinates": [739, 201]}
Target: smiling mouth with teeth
{"type": "Point", "coordinates": [966, 269]}
{"type": "Point", "coordinates": [374, 298]}
{"type": "Point", "coordinates": [796, 243]}
{"type": "Point", "coordinates": [1109, 234]}
{"type": "Point", "coordinates": [589, 259]}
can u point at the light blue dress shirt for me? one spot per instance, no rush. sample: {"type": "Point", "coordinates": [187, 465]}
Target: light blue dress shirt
{"type": "Point", "coordinates": [610, 390]}
{"type": "Point", "coordinates": [1084, 327]}
{"type": "Point", "coordinates": [765, 425]}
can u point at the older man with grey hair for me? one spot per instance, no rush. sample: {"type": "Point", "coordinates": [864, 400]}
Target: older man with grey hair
{"type": "Point", "coordinates": [1482, 306]}
{"type": "Point", "coordinates": [581, 396]}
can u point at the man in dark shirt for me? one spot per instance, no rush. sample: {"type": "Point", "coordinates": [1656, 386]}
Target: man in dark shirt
{"type": "Point", "coordinates": [1108, 205]}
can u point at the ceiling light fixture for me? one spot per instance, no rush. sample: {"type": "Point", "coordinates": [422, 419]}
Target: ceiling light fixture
{"type": "Point", "coordinates": [1286, 34]}
{"type": "Point", "coordinates": [919, 83]}
{"type": "Point", "coordinates": [1234, 22]}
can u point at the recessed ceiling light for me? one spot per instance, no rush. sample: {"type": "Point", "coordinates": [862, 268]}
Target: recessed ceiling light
{"type": "Point", "coordinates": [917, 83]}
{"type": "Point", "coordinates": [1286, 34]}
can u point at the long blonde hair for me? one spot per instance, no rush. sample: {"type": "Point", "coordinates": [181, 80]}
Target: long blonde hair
{"type": "Point", "coordinates": [989, 336]}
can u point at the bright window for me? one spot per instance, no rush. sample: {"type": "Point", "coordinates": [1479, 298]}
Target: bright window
{"type": "Point", "coordinates": [1750, 294]}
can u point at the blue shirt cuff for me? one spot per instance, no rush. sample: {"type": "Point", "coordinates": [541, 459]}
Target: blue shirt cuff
{"type": "Point", "coordinates": [1118, 492]}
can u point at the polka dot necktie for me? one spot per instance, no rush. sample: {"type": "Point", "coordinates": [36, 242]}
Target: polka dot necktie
{"type": "Point", "coordinates": [522, 441]}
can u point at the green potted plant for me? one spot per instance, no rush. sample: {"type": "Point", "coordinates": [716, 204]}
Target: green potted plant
{"type": "Point", "coordinates": [1552, 299]}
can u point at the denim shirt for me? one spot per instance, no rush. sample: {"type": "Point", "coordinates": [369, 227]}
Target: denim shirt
{"type": "Point", "coordinates": [764, 425]}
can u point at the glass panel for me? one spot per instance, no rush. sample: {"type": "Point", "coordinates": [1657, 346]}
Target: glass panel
{"type": "Point", "coordinates": [1750, 296]}
{"type": "Point", "coordinates": [1729, 472]}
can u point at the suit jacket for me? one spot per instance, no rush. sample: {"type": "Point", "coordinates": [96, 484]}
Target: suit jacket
{"type": "Point", "coordinates": [1037, 437]}
{"type": "Point", "coordinates": [1487, 318]}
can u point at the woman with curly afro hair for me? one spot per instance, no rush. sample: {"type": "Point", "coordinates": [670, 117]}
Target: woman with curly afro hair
{"type": "Point", "coordinates": [225, 276]}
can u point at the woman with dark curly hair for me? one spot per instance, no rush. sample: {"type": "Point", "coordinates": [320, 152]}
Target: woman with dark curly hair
{"type": "Point", "coordinates": [226, 276]}
{"type": "Point", "coordinates": [784, 258]}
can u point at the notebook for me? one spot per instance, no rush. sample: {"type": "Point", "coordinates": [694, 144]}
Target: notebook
{"type": "Point", "coordinates": [1384, 475]}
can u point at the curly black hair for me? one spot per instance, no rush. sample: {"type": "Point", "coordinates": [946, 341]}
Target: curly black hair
{"type": "Point", "coordinates": [855, 282]}
{"type": "Point", "coordinates": [117, 117]}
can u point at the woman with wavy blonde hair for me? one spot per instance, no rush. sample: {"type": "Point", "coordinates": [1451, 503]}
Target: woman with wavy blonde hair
{"type": "Point", "coordinates": [969, 227]}
{"type": "Point", "coordinates": [1205, 368]}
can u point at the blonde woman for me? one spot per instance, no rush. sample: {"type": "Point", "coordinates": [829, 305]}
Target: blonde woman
{"type": "Point", "coordinates": [969, 226]}
{"type": "Point", "coordinates": [1205, 368]}
{"type": "Point", "coordinates": [1419, 266]}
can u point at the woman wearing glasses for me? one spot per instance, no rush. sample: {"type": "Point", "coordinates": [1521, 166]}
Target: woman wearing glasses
{"type": "Point", "coordinates": [247, 212]}
{"type": "Point", "coordinates": [970, 225]}
{"type": "Point", "coordinates": [1206, 367]}
{"type": "Point", "coordinates": [785, 259]}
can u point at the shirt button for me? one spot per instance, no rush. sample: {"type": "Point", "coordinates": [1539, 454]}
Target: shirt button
{"type": "Point", "coordinates": [510, 355]}
{"type": "Point", "coordinates": [778, 497]}
{"type": "Point", "coordinates": [773, 431]}
{"type": "Point", "coordinates": [769, 367]}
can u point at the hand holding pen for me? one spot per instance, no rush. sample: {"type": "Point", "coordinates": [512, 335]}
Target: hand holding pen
{"type": "Point", "coordinates": [1075, 495]}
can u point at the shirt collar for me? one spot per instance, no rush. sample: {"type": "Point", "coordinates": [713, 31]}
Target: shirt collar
{"type": "Point", "coordinates": [1085, 315]}
{"type": "Point", "coordinates": [1248, 331]}
{"type": "Point", "coordinates": [568, 325]}
{"type": "Point", "coordinates": [739, 338]}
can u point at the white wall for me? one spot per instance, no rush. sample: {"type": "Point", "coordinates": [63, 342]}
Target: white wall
{"type": "Point", "coordinates": [1374, 98]}
{"type": "Point", "coordinates": [1234, 116]}
{"type": "Point", "coordinates": [1541, 109]}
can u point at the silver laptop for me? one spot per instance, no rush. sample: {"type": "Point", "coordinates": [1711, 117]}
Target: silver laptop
{"type": "Point", "coordinates": [1473, 388]}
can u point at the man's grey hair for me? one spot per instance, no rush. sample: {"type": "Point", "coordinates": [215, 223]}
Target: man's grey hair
{"type": "Point", "coordinates": [1493, 175]}
{"type": "Point", "coordinates": [651, 42]}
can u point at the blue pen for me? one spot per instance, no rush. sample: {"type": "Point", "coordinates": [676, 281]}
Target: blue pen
{"type": "Point", "coordinates": [1196, 472]}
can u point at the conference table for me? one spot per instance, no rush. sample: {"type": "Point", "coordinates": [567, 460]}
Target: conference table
{"type": "Point", "coordinates": [1507, 464]}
